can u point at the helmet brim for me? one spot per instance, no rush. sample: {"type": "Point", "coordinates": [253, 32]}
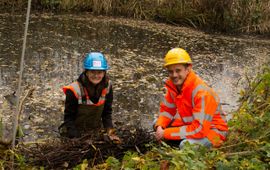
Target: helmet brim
{"type": "Point", "coordinates": [177, 62]}
{"type": "Point", "coordinates": [96, 68]}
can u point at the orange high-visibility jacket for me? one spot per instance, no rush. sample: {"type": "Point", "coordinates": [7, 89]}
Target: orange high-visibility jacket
{"type": "Point", "coordinates": [78, 90]}
{"type": "Point", "coordinates": [193, 113]}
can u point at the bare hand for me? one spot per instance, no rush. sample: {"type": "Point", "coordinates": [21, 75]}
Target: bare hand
{"type": "Point", "coordinates": [159, 133]}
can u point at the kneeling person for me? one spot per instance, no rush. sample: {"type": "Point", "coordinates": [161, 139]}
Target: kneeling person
{"type": "Point", "coordinates": [88, 103]}
{"type": "Point", "coordinates": [191, 110]}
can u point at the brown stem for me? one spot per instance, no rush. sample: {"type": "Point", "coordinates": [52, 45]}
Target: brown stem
{"type": "Point", "coordinates": [7, 142]}
{"type": "Point", "coordinates": [247, 94]}
{"type": "Point", "coordinates": [28, 93]}
{"type": "Point", "coordinates": [239, 153]}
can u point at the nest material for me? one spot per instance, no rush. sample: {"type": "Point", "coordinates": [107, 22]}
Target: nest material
{"type": "Point", "coordinates": [95, 147]}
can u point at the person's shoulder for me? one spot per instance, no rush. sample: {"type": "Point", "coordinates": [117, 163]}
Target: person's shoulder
{"type": "Point", "coordinates": [69, 92]}
{"type": "Point", "coordinates": [109, 83]}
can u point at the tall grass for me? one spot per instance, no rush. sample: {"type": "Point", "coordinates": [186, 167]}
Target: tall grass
{"type": "Point", "coordinates": [252, 16]}
{"type": "Point", "coordinates": [214, 11]}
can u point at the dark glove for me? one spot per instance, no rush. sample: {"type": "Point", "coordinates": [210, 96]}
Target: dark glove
{"type": "Point", "coordinates": [73, 132]}
{"type": "Point", "coordinates": [68, 129]}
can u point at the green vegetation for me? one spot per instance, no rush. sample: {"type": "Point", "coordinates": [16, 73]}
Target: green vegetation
{"type": "Point", "coordinates": [249, 16]}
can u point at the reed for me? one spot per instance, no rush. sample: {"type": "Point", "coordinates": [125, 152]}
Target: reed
{"type": "Point", "coordinates": [140, 9]}
{"type": "Point", "coordinates": [214, 11]}
{"type": "Point", "coordinates": [104, 6]}
{"type": "Point", "coordinates": [181, 12]}
{"type": "Point", "coordinates": [13, 5]}
{"type": "Point", "coordinates": [251, 16]}
{"type": "Point", "coordinates": [95, 6]}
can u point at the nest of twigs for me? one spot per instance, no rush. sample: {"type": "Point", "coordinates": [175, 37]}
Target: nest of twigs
{"type": "Point", "coordinates": [95, 147]}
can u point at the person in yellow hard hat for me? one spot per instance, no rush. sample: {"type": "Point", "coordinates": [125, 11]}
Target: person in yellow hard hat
{"type": "Point", "coordinates": [191, 110]}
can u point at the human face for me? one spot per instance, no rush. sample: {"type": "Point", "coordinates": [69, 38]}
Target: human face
{"type": "Point", "coordinates": [95, 76]}
{"type": "Point", "coordinates": [178, 73]}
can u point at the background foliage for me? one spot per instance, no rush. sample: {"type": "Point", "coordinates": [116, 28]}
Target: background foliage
{"type": "Point", "coordinates": [250, 16]}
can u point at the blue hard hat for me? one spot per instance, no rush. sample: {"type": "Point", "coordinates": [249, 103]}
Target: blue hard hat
{"type": "Point", "coordinates": [95, 61]}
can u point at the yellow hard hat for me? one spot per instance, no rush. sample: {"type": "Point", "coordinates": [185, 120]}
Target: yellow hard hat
{"type": "Point", "coordinates": [177, 56]}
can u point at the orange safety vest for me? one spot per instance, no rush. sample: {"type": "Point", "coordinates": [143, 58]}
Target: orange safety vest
{"type": "Point", "coordinates": [78, 91]}
{"type": "Point", "coordinates": [89, 114]}
{"type": "Point", "coordinates": [193, 113]}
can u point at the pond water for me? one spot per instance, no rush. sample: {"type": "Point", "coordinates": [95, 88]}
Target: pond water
{"type": "Point", "coordinates": [56, 45]}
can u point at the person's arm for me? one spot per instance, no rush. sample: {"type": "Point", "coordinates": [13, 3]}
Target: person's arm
{"type": "Point", "coordinates": [70, 112]}
{"type": "Point", "coordinates": [107, 111]}
{"type": "Point", "coordinates": [107, 117]}
{"type": "Point", "coordinates": [71, 107]}
{"type": "Point", "coordinates": [203, 111]}
{"type": "Point", "coordinates": [167, 110]}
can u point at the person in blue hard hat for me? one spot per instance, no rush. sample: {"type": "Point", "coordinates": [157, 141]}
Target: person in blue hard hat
{"type": "Point", "coordinates": [88, 103]}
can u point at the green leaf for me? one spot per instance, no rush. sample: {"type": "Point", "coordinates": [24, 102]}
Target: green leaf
{"type": "Point", "coordinates": [113, 163]}
{"type": "Point", "coordinates": [20, 132]}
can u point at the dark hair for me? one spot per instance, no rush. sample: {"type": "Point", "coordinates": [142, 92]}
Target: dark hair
{"type": "Point", "coordinates": [186, 65]}
{"type": "Point", "coordinates": [95, 91]}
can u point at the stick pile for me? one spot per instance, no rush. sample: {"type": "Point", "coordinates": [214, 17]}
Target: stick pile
{"type": "Point", "coordinates": [95, 147]}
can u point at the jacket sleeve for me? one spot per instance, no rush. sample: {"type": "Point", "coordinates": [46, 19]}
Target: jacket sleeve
{"type": "Point", "coordinates": [71, 107]}
{"type": "Point", "coordinates": [204, 108]}
{"type": "Point", "coordinates": [107, 111]}
{"type": "Point", "coordinates": [167, 110]}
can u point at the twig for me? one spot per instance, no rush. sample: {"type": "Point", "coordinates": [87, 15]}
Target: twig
{"type": "Point", "coordinates": [247, 78]}
{"type": "Point", "coordinates": [94, 159]}
{"type": "Point", "coordinates": [21, 75]}
{"type": "Point", "coordinates": [266, 135]}
{"type": "Point", "coordinates": [250, 141]}
{"type": "Point", "coordinates": [233, 145]}
{"type": "Point", "coordinates": [92, 147]}
{"type": "Point", "coordinates": [101, 155]}
{"type": "Point", "coordinates": [259, 107]}
{"type": "Point", "coordinates": [138, 150]}
{"type": "Point", "coordinates": [240, 153]}
{"type": "Point", "coordinates": [28, 93]}
{"type": "Point", "coordinates": [7, 142]}
{"type": "Point", "coordinates": [247, 94]}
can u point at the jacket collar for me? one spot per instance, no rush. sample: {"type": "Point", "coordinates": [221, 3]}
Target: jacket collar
{"type": "Point", "coordinates": [191, 77]}
{"type": "Point", "coordinates": [187, 83]}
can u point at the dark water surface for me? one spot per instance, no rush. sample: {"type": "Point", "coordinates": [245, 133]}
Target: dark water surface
{"type": "Point", "coordinates": [135, 50]}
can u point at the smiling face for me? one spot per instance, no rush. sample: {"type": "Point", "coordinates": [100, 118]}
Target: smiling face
{"type": "Point", "coordinates": [95, 76]}
{"type": "Point", "coordinates": [178, 73]}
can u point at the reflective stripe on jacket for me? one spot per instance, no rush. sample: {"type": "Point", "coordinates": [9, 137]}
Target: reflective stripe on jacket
{"type": "Point", "coordinates": [81, 92]}
{"type": "Point", "coordinates": [88, 113]}
{"type": "Point", "coordinates": [193, 113]}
